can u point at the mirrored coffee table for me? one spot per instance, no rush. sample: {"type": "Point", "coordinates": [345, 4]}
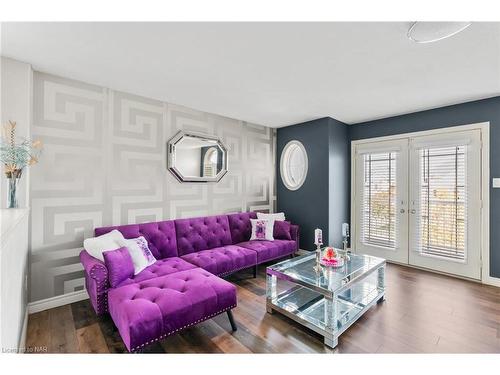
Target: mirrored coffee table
{"type": "Point", "coordinates": [327, 300]}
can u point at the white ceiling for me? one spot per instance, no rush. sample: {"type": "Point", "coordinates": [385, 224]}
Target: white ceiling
{"type": "Point", "coordinates": [273, 74]}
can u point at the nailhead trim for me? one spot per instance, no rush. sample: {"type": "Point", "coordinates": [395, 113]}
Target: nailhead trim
{"type": "Point", "coordinates": [181, 328]}
{"type": "Point", "coordinates": [242, 268]}
{"type": "Point", "coordinates": [280, 256]}
{"type": "Point", "coordinates": [235, 270]}
{"type": "Point", "coordinates": [101, 289]}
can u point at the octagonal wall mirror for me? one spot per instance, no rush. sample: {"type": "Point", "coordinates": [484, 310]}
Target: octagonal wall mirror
{"type": "Point", "coordinates": [194, 157]}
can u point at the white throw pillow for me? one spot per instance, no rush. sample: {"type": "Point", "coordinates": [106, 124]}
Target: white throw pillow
{"type": "Point", "coordinates": [95, 246]}
{"type": "Point", "coordinates": [262, 230]}
{"type": "Point", "coordinates": [280, 216]}
{"type": "Point", "coordinates": [139, 252]}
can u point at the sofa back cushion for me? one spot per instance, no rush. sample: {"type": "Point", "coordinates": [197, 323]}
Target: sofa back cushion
{"type": "Point", "coordinates": [160, 236]}
{"type": "Point", "coordinates": [241, 228]}
{"type": "Point", "coordinates": [202, 233]}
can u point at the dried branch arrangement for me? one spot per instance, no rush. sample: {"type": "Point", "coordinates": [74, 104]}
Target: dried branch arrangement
{"type": "Point", "coordinates": [15, 156]}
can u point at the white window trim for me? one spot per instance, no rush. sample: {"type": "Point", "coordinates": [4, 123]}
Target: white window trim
{"type": "Point", "coordinates": [485, 186]}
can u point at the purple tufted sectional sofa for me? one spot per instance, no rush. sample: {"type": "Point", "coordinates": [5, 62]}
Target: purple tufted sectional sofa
{"type": "Point", "coordinates": [184, 286]}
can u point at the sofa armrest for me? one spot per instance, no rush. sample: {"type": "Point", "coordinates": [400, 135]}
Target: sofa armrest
{"type": "Point", "coordinates": [93, 267]}
{"type": "Point", "coordinates": [294, 232]}
{"type": "Point", "coordinates": [96, 281]}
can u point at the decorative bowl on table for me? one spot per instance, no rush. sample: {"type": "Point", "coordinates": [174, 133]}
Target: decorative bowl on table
{"type": "Point", "coordinates": [331, 258]}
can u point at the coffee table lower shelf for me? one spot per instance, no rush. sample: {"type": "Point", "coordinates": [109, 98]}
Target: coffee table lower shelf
{"type": "Point", "coordinates": [307, 307]}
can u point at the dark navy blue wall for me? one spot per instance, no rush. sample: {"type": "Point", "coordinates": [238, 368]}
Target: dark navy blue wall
{"type": "Point", "coordinates": [461, 114]}
{"type": "Point", "coordinates": [327, 184]}
{"type": "Point", "coordinates": [340, 180]}
{"type": "Point", "coordinates": [307, 206]}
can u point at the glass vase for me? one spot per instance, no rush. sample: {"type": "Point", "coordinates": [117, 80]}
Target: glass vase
{"type": "Point", "coordinates": [13, 181]}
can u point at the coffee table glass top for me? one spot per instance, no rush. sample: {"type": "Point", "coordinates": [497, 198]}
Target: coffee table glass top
{"type": "Point", "coordinates": [328, 280]}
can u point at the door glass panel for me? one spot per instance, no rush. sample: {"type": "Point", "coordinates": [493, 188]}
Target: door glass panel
{"type": "Point", "coordinates": [379, 199]}
{"type": "Point", "coordinates": [443, 202]}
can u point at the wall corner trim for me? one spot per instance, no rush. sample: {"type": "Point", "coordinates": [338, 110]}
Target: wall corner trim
{"type": "Point", "coordinates": [24, 331]}
{"type": "Point", "coordinates": [50, 303]}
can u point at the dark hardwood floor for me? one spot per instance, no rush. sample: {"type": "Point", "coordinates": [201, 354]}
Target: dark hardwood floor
{"type": "Point", "coordinates": [423, 313]}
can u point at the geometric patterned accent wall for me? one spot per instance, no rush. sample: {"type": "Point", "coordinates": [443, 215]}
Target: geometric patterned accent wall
{"type": "Point", "coordinates": [104, 163]}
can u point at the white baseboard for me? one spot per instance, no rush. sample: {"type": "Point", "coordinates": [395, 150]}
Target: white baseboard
{"type": "Point", "coordinates": [50, 303]}
{"type": "Point", "coordinates": [489, 280]}
{"type": "Point", "coordinates": [24, 331]}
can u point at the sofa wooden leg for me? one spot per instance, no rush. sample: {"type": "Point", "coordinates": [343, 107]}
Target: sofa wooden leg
{"type": "Point", "coordinates": [231, 320]}
{"type": "Point", "coordinates": [254, 271]}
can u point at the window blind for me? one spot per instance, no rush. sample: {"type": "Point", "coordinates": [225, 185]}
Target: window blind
{"type": "Point", "coordinates": [379, 199]}
{"type": "Point", "coordinates": [443, 202]}
{"type": "Point", "coordinates": [208, 170]}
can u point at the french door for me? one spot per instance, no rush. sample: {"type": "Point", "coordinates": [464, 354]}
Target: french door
{"type": "Point", "coordinates": [381, 199]}
{"type": "Point", "coordinates": [418, 201]}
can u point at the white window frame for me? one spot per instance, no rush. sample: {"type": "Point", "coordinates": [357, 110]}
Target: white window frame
{"type": "Point", "coordinates": [485, 186]}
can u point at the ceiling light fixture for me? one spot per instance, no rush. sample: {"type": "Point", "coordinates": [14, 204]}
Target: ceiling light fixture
{"type": "Point", "coordinates": [428, 32]}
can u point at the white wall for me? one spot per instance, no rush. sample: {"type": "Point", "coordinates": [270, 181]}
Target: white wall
{"type": "Point", "coordinates": [16, 105]}
{"type": "Point", "coordinates": [16, 99]}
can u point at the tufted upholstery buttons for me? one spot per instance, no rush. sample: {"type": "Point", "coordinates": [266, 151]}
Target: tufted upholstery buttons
{"type": "Point", "coordinates": [199, 234]}
{"type": "Point", "coordinates": [269, 250]}
{"type": "Point", "coordinates": [189, 238]}
{"type": "Point", "coordinates": [160, 236]}
{"type": "Point", "coordinates": [223, 260]}
{"type": "Point", "coordinates": [161, 268]}
{"type": "Point", "coordinates": [240, 227]}
{"type": "Point", "coordinates": [168, 299]}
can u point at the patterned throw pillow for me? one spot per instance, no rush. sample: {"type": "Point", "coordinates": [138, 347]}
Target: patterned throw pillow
{"type": "Point", "coordinates": [140, 253]}
{"type": "Point", "coordinates": [262, 230]}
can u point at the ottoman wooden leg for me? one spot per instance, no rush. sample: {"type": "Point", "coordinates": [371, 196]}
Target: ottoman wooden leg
{"type": "Point", "coordinates": [254, 271]}
{"type": "Point", "coordinates": [231, 320]}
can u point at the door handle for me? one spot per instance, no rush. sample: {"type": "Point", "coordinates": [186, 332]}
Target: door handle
{"type": "Point", "coordinates": [402, 211]}
{"type": "Point", "coordinates": [413, 211]}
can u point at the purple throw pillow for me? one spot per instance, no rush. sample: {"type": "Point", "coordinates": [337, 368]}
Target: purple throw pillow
{"type": "Point", "coordinates": [119, 264]}
{"type": "Point", "coordinates": [281, 230]}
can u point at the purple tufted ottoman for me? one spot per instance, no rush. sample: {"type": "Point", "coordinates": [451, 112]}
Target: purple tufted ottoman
{"type": "Point", "coordinates": [150, 310]}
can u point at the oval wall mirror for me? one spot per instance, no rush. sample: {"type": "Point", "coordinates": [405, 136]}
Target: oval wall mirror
{"type": "Point", "coordinates": [293, 165]}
